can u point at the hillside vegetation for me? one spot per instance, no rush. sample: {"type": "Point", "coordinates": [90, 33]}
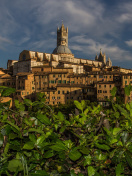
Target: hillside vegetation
{"type": "Point", "coordinates": [39, 140]}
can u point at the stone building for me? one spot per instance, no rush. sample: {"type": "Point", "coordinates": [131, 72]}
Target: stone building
{"type": "Point", "coordinates": [63, 77]}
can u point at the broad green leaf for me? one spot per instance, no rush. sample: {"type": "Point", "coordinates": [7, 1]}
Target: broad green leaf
{"type": "Point", "coordinates": [86, 111]}
{"type": "Point", "coordinates": [88, 160]}
{"type": "Point", "coordinates": [28, 122]}
{"type": "Point", "coordinates": [59, 146]}
{"type": "Point", "coordinates": [32, 138]}
{"type": "Point", "coordinates": [48, 154]}
{"type": "Point", "coordinates": [119, 169]}
{"type": "Point", "coordinates": [113, 91]}
{"type": "Point", "coordinates": [127, 90]}
{"type": "Point", "coordinates": [102, 146]}
{"type": "Point", "coordinates": [12, 124]}
{"type": "Point", "coordinates": [107, 131]}
{"type": "Point", "coordinates": [7, 92]}
{"type": "Point", "coordinates": [35, 130]}
{"type": "Point", "coordinates": [40, 140]}
{"type": "Point", "coordinates": [91, 171]}
{"type": "Point", "coordinates": [128, 158]}
{"type": "Point", "coordinates": [28, 146]}
{"type": "Point", "coordinates": [1, 140]}
{"type": "Point", "coordinates": [83, 103]}
{"type": "Point", "coordinates": [5, 116]}
{"type": "Point", "coordinates": [78, 105]}
{"type": "Point", "coordinates": [84, 150]}
{"type": "Point", "coordinates": [15, 165]}
{"type": "Point", "coordinates": [116, 131]}
{"type": "Point", "coordinates": [128, 107]}
{"type": "Point", "coordinates": [68, 143]}
{"type": "Point", "coordinates": [42, 118]}
{"type": "Point", "coordinates": [13, 136]}
{"type": "Point", "coordinates": [28, 102]}
{"type": "Point", "coordinates": [60, 116]}
{"type": "Point", "coordinates": [74, 155]}
{"type": "Point", "coordinates": [6, 148]}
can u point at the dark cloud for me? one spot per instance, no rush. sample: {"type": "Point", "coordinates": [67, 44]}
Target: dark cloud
{"type": "Point", "coordinates": [92, 25]}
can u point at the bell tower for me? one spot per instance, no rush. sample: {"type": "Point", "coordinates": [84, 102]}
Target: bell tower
{"type": "Point", "coordinates": [62, 35]}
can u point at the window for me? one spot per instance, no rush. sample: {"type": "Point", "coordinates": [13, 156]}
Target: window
{"type": "Point", "coordinates": [27, 93]}
{"type": "Point", "coordinates": [125, 82]}
{"type": "Point", "coordinates": [63, 92]}
{"type": "Point", "coordinates": [75, 92]}
{"type": "Point", "coordinates": [58, 91]}
{"type": "Point", "coordinates": [59, 81]}
{"type": "Point", "coordinates": [64, 76]}
{"type": "Point", "coordinates": [32, 82]}
{"type": "Point", "coordinates": [45, 76]}
{"type": "Point", "coordinates": [58, 98]}
{"type": "Point", "coordinates": [22, 93]}
{"type": "Point", "coordinates": [53, 92]}
{"type": "Point", "coordinates": [99, 86]}
{"type": "Point", "coordinates": [100, 76]}
{"type": "Point", "coordinates": [110, 86]}
{"type": "Point", "coordinates": [105, 86]}
{"type": "Point", "coordinates": [67, 97]}
{"type": "Point", "coordinates": [89, 76]}
{"type": "Point", "coordinates": [53, 76]}
{"type": "Point", "coordinates": [72, 82]}
{"type": "Point", "coordinates": [64, 81]}
{"type": "Point", "coordinates": [59, 75]}
{"type": "Point", "coordinates": [106, 76]}
{"type": "Point", "coordinates": [110, 76]}
{"type": "Point", "coordinates": [94, 76]}
{"type": "Point", "coordinates": [53, 102]}
{"type": "Point", "coordinates": [67, 92]}
{"type": "Point", "coordinates": [42, 69]}
{"type": "Point", "coordinates": [68, 82]}
{"type": "Point", "coordinates": [53, 98]}
{"type": "Point", "coordinates": [32, 88]}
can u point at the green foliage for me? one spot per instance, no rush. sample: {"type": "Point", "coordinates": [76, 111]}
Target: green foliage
{"type": "Point", "coordinates": [36, 140]}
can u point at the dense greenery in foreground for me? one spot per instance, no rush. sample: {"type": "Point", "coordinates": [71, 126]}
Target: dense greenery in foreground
{"type": "Point", "coordinates": [36, 141]}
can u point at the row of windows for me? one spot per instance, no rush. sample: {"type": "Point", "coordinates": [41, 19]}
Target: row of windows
{"type": "Point", "coordinates": [8, 83]}
{"type": "Point", "coordinates": [24, 93]}
{"type": "Point", "coordinates": [104, 86]}
{"type": "Point", "coordinates": [102, 76]}
{"type": "Point", "coordinates": [105, 91]}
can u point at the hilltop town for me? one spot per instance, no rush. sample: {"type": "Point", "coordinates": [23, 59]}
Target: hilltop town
{"type": "Point", "coordinates": [63, 77]}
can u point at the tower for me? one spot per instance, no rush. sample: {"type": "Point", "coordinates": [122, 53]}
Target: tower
{"type": "Point", "coordinates": [62, 35]}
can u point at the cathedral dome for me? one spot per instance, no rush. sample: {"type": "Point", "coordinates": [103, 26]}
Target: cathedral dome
{"type": "Point", "coordinates": [62, 49]}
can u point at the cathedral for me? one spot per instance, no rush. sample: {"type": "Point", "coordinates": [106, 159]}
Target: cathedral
{"type": "Point", "coordinates": [61, 56]}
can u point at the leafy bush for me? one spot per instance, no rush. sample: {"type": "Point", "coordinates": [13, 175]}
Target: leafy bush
{"type": "Point", "coordinates": [41, 142]}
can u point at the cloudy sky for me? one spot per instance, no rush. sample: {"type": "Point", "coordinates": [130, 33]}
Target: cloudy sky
{"type": "Point", "coordinates": [93, 24]}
